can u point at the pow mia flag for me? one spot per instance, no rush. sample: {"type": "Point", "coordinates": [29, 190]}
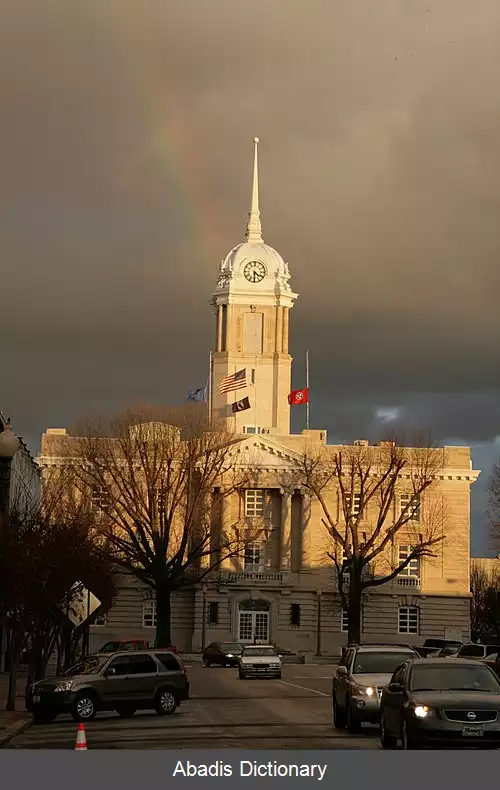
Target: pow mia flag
{"type": "Point", "coordinates": [240, 405]}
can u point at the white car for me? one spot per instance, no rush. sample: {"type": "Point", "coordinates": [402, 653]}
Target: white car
{"type": "Point", "coordinates": [259, 661]}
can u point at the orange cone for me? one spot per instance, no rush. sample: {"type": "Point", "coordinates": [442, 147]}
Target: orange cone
{"type": "Point", "coordinates": [81, 739]}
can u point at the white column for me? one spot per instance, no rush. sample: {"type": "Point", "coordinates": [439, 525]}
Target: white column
{"type": "Point", "coordinates": [305, 532]}
{"type": "Point", "coordinates": [286, 531]}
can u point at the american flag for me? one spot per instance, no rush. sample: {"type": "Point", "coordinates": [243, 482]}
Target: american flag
{"type": "Point", "coordinates": [237, 381]}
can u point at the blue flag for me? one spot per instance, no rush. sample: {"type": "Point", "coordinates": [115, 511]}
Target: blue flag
{"type": "Point", "coordinates": [199, 395]}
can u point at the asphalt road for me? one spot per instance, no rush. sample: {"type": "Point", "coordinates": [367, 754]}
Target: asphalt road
{"type": "Point", "coordinates": [224, 713]}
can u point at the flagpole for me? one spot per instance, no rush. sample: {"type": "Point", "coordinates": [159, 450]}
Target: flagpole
{"type": "Point", "coordinates": [210, 392]}
{"type": "Point", "coordinates": [307, 386]}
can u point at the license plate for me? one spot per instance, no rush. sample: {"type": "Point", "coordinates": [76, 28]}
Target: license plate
{"type": "Point", "coordinates": [36, 698]}
{"type": "Point", "coordinates": [472, 730]}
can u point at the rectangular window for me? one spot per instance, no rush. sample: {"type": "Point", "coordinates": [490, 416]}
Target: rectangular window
{"type": "Point", "coordinates": [408, 620]}
{"type": "Point", "coordinates": [412, 570]}
{"type": "Point", "coordinates": [224, 328]}
{"type": "Point", "coordinates": [149, 614]}
{"type": "Point", "coordinates": [254, 502]}
{"type": "Point", "coordinates": [99, 498]}
{"type": "Point", "coordinates": [295, 614]}
{"type": "Point", "coordinates": [142, 665]}
{"type": "Point", "coordinates": [213, 613]}
{"type": "Point", "coordinates": [353, 505]}
{"type": "Point", "coordinates": [169, 662]}
{"type": "Point", "coordinates": [254, 558]}
{"type": "Point", "coordinates": [344, 621]}
{"type": "Point", "coordinates": [252, 376]}
{"type": "Point", "coordinates": [101, 620]}
{"type": "Point", "coordinates": [253, 324]}
{"type": "Point", "coordinates": [412, 502]}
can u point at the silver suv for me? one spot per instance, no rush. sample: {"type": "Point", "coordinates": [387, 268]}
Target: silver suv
{"type": "Point", "coordinates": [123, 682]}
{"type": "Point", "coordinates": [361, 675]}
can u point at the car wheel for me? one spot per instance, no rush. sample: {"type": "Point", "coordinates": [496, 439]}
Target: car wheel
{"type": "Point", "coordinates": [44, 717]}
{"type": "Point", "coordinates": [84, 708]}
{"type": "Point", "coordinates": [407, 742]}
{"type": "Point", "coordinates": [387, 740]}
{"type": "Point", "coordinates": [165, 703]}
{"type": "Point", "coordinates": [278, 677]}
{"type": "Point", "coordinates": [338, 716]}
{"type": "Point", "coordinates": [353, 725]}
{"type": "Point", "coordinates": [126, 711]}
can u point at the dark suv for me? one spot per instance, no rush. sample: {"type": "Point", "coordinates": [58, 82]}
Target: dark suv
{"type": "Point", "coordinates": [124, 682]}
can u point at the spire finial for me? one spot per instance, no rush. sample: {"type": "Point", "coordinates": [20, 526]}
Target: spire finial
{"type": "Point", "coordinates": [254, 228]}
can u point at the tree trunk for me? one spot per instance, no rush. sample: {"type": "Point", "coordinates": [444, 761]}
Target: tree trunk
{"type": "Point", "coordinates": [354, 608]}
{"type": "Point", "coordinates": [163, 637]}
{"type": "Point", "coordinates": [14, 654]}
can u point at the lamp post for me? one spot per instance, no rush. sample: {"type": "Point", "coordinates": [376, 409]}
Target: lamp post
{"type": "Point", "coordinates": [9, 446]}
{"type": "Point", "coordinates": [318, 627]}
{"type": "Point", "coordinates": [204, 617]}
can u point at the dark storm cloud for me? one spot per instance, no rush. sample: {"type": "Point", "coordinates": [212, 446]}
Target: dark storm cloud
{"type": "Point", "coordinates": [125, 158]}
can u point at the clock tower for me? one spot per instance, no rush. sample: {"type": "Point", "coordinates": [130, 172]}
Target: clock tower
{"type": "Point", "coordinates": [252, 304]}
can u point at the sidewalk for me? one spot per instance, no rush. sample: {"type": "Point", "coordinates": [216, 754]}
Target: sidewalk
{"type": "Point", "coordinates": [12, 722]}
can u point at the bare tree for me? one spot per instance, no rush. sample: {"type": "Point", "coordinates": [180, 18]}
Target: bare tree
{"type": "Point", "coordinates": [368, 495]}
{"type": "Point", "coordinates": [485, 604]}
{"type": "Point", "coordinates": [494, 507]}
{"type": "Point", "coordinates": [157, 482]}
{"type": "Point", "coordinates": [43, 554]}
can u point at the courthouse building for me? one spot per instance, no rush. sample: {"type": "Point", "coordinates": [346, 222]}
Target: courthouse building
{"type": "Point", "coordinates": [281, 589]}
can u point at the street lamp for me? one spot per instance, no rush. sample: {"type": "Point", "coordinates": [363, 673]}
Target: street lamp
{"type": "Point", "coordinates": [204, 617]}
{"type": "Point", "coordinates": [9, 446]}
{"type": "Point", "coordinates": [318, 627]}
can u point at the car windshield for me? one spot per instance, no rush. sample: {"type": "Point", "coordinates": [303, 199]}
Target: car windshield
{"type": "Point", "coordinates": [230, 647]}
{"type": "Point", "coordinates": [379, 663]}
{"type": "Point", "coordinates": [453, 678]}
{"type": "Point", "coordinates": [88, 666]}
{"type": "Point", "coordinates": [110, 647]}
{"type": "Point", "coordinates": [259, 651]}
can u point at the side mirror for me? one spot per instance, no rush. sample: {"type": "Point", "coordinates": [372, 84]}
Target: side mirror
{"type": "Point", "coordinates": [110, 671]}
{"type": "Point", "coordinates": [342, 671]}
{"type": "Point", "coordinates": [395, 688]}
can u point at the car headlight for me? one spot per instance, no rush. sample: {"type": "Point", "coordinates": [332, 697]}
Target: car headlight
{"type": "Point", "coordinates": [364, 691]}
{"type": "Point", "coordinates": [423, 712]}
{"type": "Point", "coordinates": [229, 655]}
{"type": "Point", "coordinates": [66, 685]}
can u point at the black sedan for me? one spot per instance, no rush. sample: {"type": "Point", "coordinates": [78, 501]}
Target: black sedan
{"type": "Point", "coordinates": [223, 654]}
{"type": "Point", "coordinates": [441, 702]}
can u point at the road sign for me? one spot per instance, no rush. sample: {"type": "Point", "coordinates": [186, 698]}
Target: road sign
{"type": "Point", "coordinates": [83, 603]}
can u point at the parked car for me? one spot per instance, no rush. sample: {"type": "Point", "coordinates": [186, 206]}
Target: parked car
{"type": "Point", "coordinates": [433, 646]}
{"type": "Point", "coordinates": [225, 654]}
{"type": "Point", "coordinates": [259, 661]}
{"type": "Point", "coordinates": [449, 651]}
{"type": "Point", "coordinates": [130, 644]}
{"type": "Point", "coordinates": [473, 650]}
{"type": "Point", "coordinates": [493, 662]}
{"type": "Point", "coordinates": [124, 682]}
{"type": "Point", "coordinates": [362, 673]}
{"type": "Point", "coordinates": [441, 702]}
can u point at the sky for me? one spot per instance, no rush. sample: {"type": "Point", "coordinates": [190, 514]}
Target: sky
{"type": "Point", "coordinates": [125, 169]}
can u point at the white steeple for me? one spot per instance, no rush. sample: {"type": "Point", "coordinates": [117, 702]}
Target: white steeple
{"type": "Point", "coordinates": [254, 228]}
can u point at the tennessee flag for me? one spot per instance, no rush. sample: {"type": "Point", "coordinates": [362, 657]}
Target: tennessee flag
{"type": "Point", "coordinates": [297, 397]}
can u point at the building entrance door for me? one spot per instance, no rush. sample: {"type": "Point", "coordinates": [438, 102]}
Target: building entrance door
{"type": "Point", "coordinates": [253, 622]}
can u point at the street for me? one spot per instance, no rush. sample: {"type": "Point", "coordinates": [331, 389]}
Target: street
{"type": "Point", "coordinates": [224, 713]}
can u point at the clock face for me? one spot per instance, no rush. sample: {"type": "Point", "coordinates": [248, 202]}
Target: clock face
{"type": "Point", "coordinates": [255, 271]}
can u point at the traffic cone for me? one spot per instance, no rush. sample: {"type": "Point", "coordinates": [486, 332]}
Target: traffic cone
{"type": "Point", "coordinates": [81, 739]}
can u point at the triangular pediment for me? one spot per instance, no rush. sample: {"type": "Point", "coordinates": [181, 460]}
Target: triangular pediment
{"type": "Point", "coordinates": [264, 453]}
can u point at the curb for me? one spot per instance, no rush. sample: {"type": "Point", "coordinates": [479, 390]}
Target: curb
{"type": "Point", "coordinates": [16, 729]}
